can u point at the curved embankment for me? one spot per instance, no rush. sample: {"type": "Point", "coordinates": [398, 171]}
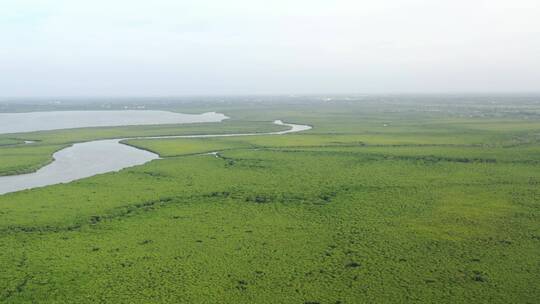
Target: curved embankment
{"type": "Point", "coordinates": [101, 156]}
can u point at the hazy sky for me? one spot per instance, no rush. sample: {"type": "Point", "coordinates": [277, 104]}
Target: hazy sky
{"type": "Point", "coordinates": [179, 47]}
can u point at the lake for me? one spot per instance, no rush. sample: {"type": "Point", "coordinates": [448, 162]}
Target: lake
{"type": "Point", "coordinates": [41, 121]}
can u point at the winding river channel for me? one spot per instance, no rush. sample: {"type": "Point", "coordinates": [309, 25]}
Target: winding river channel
{"type": "Point", "coordinates": [87, 159]}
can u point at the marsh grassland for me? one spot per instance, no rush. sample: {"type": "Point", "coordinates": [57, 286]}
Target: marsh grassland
{"type": "Point", "coordinates": [379, 203]}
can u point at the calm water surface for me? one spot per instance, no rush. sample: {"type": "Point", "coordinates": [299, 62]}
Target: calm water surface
{"type": "Point", "coordinates": [101, 156]}
{"type": "Point", "coordinates": [79, 161]}
{"type": "Point", "coordinates": [41, 121]}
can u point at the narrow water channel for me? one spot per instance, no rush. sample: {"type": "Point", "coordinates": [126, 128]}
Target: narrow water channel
{"type": "Point", "coordinates": [101, 156]}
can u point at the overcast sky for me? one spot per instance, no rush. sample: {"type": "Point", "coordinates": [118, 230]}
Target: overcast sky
{"type": "Point", "coordinates": [184, 47]}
